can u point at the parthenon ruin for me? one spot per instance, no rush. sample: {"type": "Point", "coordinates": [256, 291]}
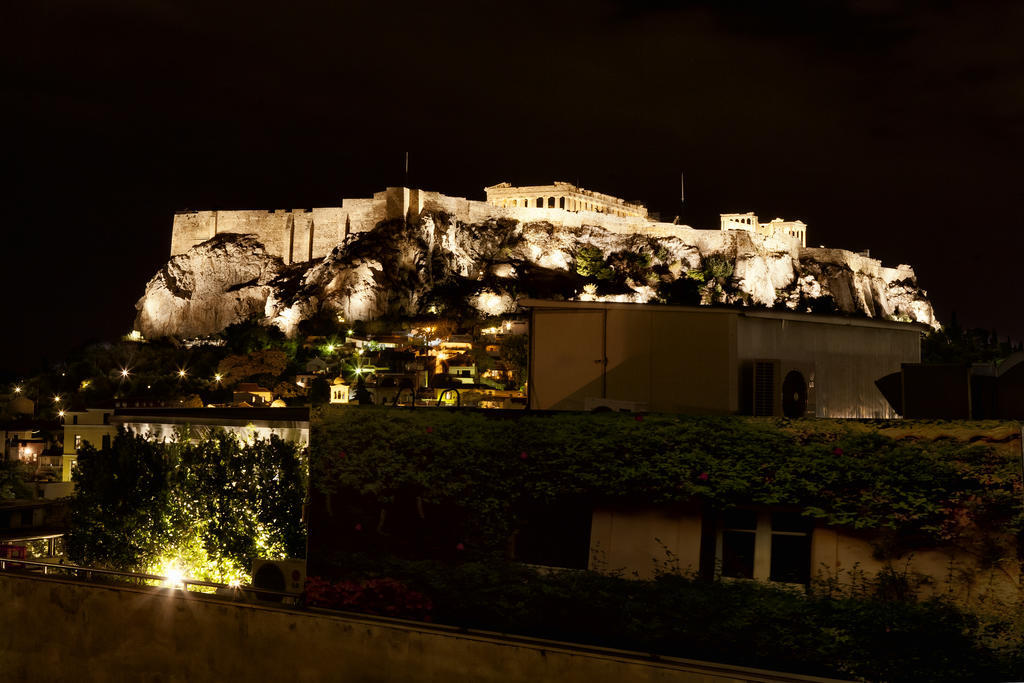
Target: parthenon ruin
{"type": "Point", "coordinates": [560, 195]}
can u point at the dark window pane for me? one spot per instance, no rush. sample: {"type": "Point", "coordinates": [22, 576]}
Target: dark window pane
{"type": "Point", "coordinates": [791, 559]}
{"type": "Point", "coordinates": [791, 521]}
{"type": "Point", "coordinates": [739, 519]}
{"type": "Point", "coordinates": [738, 554]}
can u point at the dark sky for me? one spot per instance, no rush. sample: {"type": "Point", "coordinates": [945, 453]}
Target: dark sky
{"type": "Point", "coordinates": [893, 126]}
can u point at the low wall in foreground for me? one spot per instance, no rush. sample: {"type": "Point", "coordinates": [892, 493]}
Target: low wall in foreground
{"type": "Point", "coordinates": [56, 629]}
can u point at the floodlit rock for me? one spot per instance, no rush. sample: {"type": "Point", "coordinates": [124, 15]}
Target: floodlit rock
{"type": "Point", "coordinates": [438, 264]}
{"type": "Point", "coordinates": [217, 283]}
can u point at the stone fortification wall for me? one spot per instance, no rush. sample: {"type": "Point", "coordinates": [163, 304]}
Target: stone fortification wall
{"type": "Point", "coordinates": [300, 235]}
{"type": "Point", "coordinates": [294, 235]}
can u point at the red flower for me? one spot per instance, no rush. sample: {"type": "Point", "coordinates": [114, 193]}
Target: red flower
{"type": "Point", "coordinates": [703, 476]}
{"type": "Point", "coordinates": [639, 418]}
{"type": "Point", "coordinates": [342, 454]}
{"type": "Point", "coordinates": [359, 527]}
{"type": "Point", "coordinates": [837, 451]}
{"type": "Point", "coordinates": [460, 547]}
{"type": "Point", "coordinates": [523, 456]}
{"type": "Point", "coordinates": [430, 430]}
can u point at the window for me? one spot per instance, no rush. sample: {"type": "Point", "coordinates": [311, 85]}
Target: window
{"type": "Point", "coordinates": [763, 545]}
{"type": "Point", "coordinates": [78, 442]}
{"type": "Point", "coordinates": [540, 202]}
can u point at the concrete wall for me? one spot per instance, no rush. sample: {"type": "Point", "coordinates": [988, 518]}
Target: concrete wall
{"type": "Point", "coordinates": [56, 630]}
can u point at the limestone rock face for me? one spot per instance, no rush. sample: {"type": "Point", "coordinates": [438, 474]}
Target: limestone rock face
{"type": "Point", "coordinates": [215, 284]}
{"type": "Point", "coordinates": [437, 264]}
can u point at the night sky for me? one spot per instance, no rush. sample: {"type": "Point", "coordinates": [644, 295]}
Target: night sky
{"type": "Point", "coordinates": [891, 126]}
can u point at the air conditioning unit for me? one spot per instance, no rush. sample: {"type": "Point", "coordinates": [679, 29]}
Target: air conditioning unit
{"type": "Point", "coordinates": [592, 403]}
{"type": "Point", "coordinates": [286, 576]}
{"type": "Point", "coordinates": [782, 388]}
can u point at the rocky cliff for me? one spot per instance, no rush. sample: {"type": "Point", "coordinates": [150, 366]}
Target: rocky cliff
{"type": "Point", "coordinates": [437, 264]}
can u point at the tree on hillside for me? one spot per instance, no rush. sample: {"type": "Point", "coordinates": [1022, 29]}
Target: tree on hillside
{"type": "Point", "coordinates": [266, 363]}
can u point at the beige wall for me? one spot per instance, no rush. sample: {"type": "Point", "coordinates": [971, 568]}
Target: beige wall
{"type": "Point", "coordinates": [662, 360]}
{"type": "Point", "coordinates": [691, 360]}
{"type": "Point", "coordinates": [642, 541]}
{"type": "Point", "coordinates": [952, 572]}
{"type": "Point", "coordinates": [55, 630]}
{"type": "Point", "coordinates": [627, 540]}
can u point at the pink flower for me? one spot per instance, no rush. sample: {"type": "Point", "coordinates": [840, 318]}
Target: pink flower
{"type": "Point", "coordinates": [837, 451]}
{"type": "Point", "coordinates": [703, 476]}
{"type": "Point", "coordinates": [359, 527]}
{"type": "Point", "coordinates": [639, 418]}
{"type": "Point", "coordinates": [430, 430]}
{"type": "Point", "coordinates": [460, 547]}
{"type": "Point", "coordinates": [523, 456]}
{"type": "Point", "coordinates": [342, 454]}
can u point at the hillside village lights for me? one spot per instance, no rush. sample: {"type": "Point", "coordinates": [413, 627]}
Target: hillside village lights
{"type": "Point", "coordinates": [17, 390]}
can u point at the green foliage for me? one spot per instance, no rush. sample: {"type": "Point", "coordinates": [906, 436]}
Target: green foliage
{"type": "Point", "coordinates": [515, 351]}
{"type": "Point", "coordinates": [319, 391]}
{"type": "Point", "coordinates": [952, 344]}
{"type": "Point", "coordinates": [683, 291]}
{"type": "Point", "coordinates": [12, 481]}
{"type": "Point", "coordinates": [590, 263]}
{"type": "Point", "coordinates": [251, 335]}
{"type": "Point", "coordinates": [207, 506]}
{"type": "Point", "coordinates": [869, 637]}
{"type": "Point", "coordinates": [635, 265]}
{"type": "Point", "coordinates": [492, 468]}
{"type": "Point", "coordinates": [717, 268]}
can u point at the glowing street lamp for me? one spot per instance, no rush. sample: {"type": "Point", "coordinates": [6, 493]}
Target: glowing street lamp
{"type": "Point", "coordinates": [125, 373]}
{"type": "Point", "coordinates": [17, 390]}
{"type": "Point", "coordinates": [56, 398]}
{"type": "Point", "coordinates": [60, 413]}
{"type": "Point", "coordinates": [218, 377]}
{"type": "Point", "coordinates": [182, 373]}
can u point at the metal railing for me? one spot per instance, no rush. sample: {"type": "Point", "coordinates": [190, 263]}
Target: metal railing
{"type": "Point", "coordinates": [139, 579]}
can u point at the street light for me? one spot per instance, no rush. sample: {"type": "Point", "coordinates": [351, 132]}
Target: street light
{"type": "Point", "coordinates": [182, 373]}
{"type": "Point", "coordinates": [124, 372]}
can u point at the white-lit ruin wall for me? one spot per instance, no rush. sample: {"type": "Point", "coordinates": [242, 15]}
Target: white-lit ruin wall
{"type": "Point", "coordinates": [298, 235]}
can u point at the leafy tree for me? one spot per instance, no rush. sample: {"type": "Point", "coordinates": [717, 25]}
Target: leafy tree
{"type": "Point", "coordinates": [266, 364]}
{"type": "Point", "coordinates": [319, 391]}
{"type": "Point", "coordinates": [590, 263]}
{"type": "Point", "coordinates": [515, 351]}
{"type": "Point", "coordinates": [12, 481]}
{"type": "Point", "coordinates": [251, 335]}
{"type": "Point", "coordinates": [207, 505]}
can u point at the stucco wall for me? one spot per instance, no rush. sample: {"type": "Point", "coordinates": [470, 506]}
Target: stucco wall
{"type": "Point", "coordinates": [634, 541]}
{"type": "Point", "coordinates": [642, 542]}
{"type": "Point", "coordinates": [56, 630]}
